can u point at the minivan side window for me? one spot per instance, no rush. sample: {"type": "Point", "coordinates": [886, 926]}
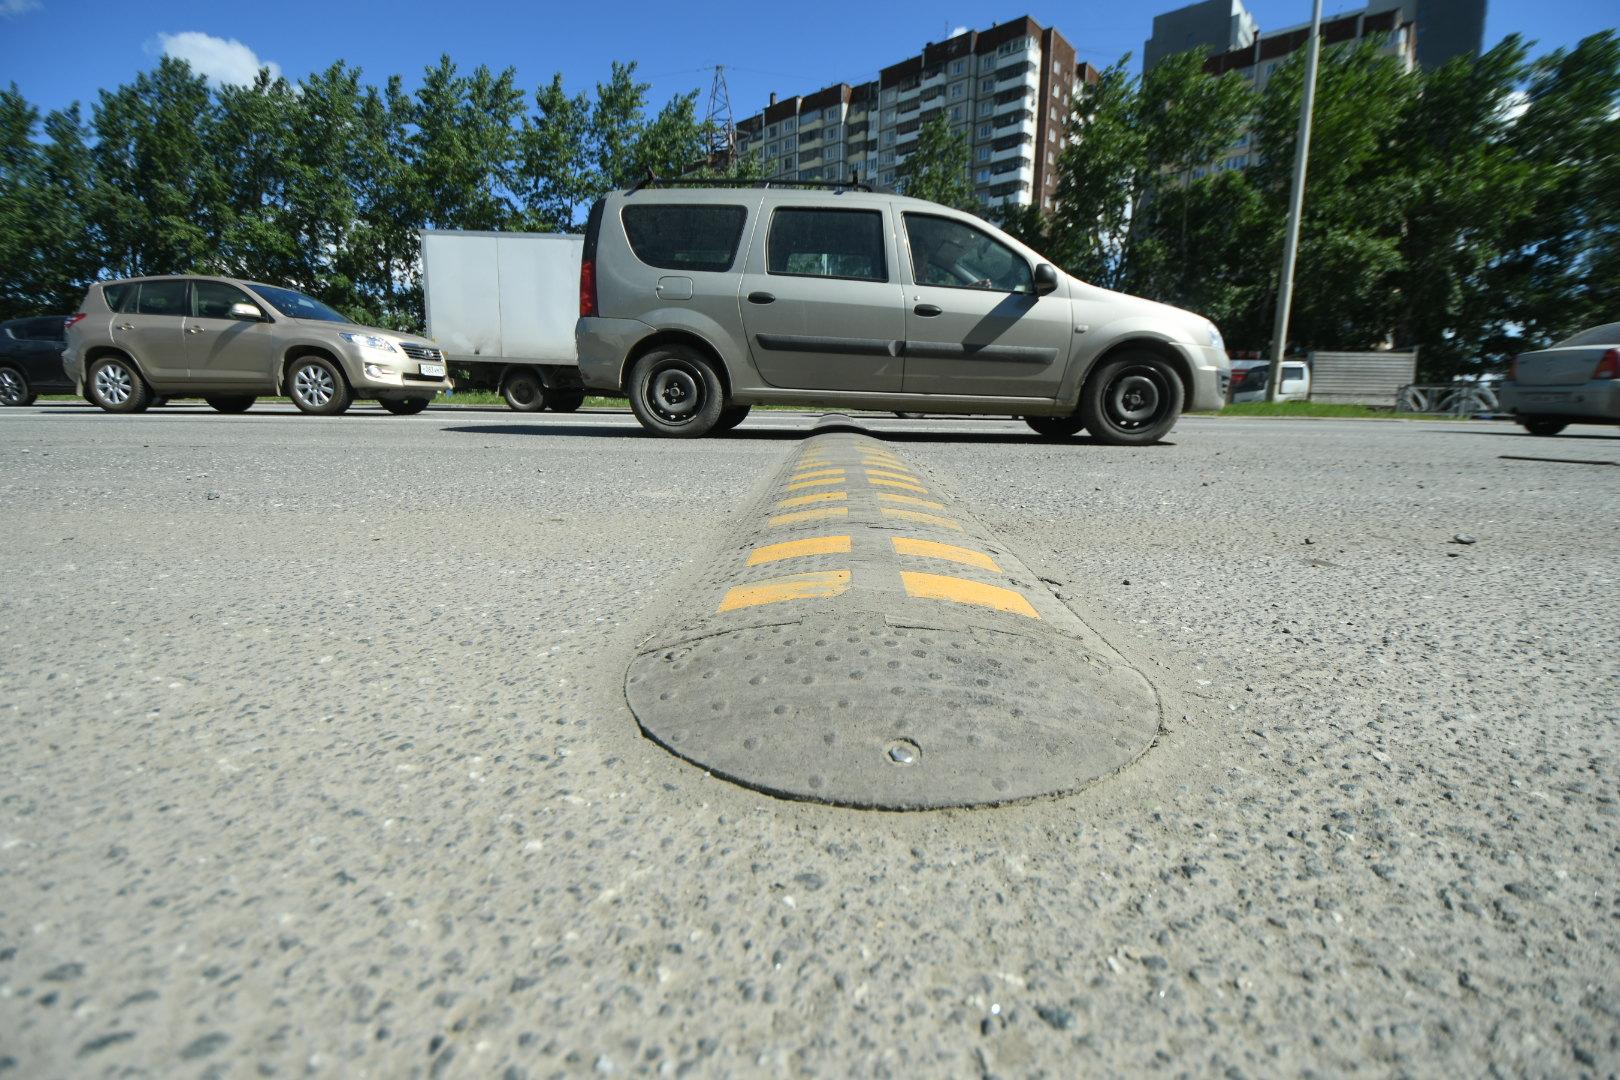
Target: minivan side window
{"type": "Point", "coordinates": [953, 255]}
{"type": "Point", "coordinates": [161, 298]}
{"type": "Point", "coordinates": [685, 236]}
{"type": "Point", "coordinates": [808, 242]}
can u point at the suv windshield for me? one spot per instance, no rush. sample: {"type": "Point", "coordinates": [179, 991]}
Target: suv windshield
{"type": "Point", "coordinates": [295, 305]}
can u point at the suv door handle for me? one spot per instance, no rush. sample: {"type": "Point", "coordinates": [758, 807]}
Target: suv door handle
{"type": "Point", "coordinates": [927, 311]}
{"type": "Point", "coordinates": [124, 326]}
{"type": "Point", "coordinates": [195, 329]}
{"type": "Point", "coordinates": [761, 298]}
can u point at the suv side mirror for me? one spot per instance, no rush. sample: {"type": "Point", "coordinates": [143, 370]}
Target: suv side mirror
{"type": "Point", "coordinates": [246, 312]}
{"type": "Point", "coordinates": [1046, 279]}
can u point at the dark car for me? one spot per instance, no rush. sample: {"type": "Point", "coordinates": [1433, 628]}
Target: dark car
{"type": "Point", "coordinates": [31, 360]}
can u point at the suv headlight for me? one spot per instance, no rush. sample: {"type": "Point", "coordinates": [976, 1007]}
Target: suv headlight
{"type": "Point", "coordinates": [368, 341]}
{"type": "Point", "coordinates": [1215, 336]}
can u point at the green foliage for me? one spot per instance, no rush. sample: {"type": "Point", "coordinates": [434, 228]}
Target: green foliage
{"type": "Point", "coordinates": [937, 169]}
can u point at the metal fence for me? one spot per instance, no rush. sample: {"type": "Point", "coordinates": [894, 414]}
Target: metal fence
{"type": "Point", "coordinates": [1465, 399]}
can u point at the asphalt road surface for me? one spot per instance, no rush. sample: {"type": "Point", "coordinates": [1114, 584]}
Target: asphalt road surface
{"type": "Point", "coordinates": [317, 761]}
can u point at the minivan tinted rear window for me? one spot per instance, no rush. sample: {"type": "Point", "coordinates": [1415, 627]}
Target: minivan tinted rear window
{"type": "Point", "coordinates": [683, 236]}
{"type": "Point", "coordinates": [811, 242]}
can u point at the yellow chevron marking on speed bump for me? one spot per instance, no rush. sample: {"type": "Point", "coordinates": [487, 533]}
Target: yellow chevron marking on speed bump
{"type": "Point", "coordinates": [930, 549]}
{"type": "Point", "coordinates": [962, 591]}
{"type": "Point", "coordinates": [922, 518]}
{"type": "Point", "coordinates": [811, 474]}
{"type": "Point", "coordinates": [909, 500]}
{"type": "Point", "coordinates": [823, 481]}
{"type": "Point", "coordinates": [808, 515]}
{"type": "Point", "coordinates": [813, 497]}
{"type": "Point", "coordinates": [883, 481]}
{"type": "Point", "coordinates": [812, 586]}
{"type": "Point", "coordinates": [798, 549]}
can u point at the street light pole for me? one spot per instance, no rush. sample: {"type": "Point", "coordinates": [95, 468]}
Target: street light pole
{"type": "Point", "coordinates": [1296, 202]}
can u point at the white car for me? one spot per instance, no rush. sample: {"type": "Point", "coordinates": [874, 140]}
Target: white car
{"type": "Point", "coordinates": [1296, 383]}
{"type": "Point", "coordinates": [1576, 381]}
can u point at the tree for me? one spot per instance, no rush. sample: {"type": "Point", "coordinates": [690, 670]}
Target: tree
{"type": "Point", "coordinates": [554, 181]}
{"type": "Point", "coordinates": [44, 192]}
{"type": "Point", "coordinates": [937, 169]}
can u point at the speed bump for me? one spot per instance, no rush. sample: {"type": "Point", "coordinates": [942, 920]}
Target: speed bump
{"type": "Point", "coordinates": [849, 647]}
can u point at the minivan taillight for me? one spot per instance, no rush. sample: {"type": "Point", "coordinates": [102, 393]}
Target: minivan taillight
{"type": "Point", "coordinates": [587, 289]}
{"type": "Point", "coordinates": [1609, 366]}
{"type": "Point", "coordinates": [67, 323]}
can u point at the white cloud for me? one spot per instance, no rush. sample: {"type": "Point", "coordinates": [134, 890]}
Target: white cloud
{"type": "Point", "coordinates": [220, 61]}
{"type": "Point", "coordinates": [10, 9]}
{"type": "Point", "coordinates": [960, 30]}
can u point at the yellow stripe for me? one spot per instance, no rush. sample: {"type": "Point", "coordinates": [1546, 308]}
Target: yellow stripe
{"type": "Point", "coordinates": [918, 516]}
{"type": "Point", "coordinates": [896, 474]}
{"type": "Point", "coordinates": [813, 586]}
{"type": "Point", "coordinates": [822, 482]}
{"type": "Point", "coordinates": [881, 481]}
{"type": "Point", "coordinates": [962, 591]}
{"type": "Point", "coordinates": [810, 474]}
{"type": "Point", "coordinates": [928, 549]}
{"type": "Point", "coordinates": [813, 497]}
{"type": "Point", "coordinates": [798, 549]}
{"type": "Point", "coordinates": [808, 515]}
{"type": "Point", "coordinates": [885, 463]}
{"type": "Point", "coordinates": [910, 500]}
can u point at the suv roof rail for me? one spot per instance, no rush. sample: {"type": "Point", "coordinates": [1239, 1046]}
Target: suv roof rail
{"type": "Point", "coordinates": [854, 183]}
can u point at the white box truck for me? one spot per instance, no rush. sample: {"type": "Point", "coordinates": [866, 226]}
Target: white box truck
{"type": "Point", "coordinates": [503, 306]}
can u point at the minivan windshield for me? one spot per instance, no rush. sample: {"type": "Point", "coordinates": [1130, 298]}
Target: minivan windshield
{"type": "Point", "coordinates": [295, 305]}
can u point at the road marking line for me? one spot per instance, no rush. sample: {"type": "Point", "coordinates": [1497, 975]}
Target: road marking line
{"type": "Point", "coordinates": [962, 591]}
{"type": "Point", "coordinates": [886, 463]}
{"type": "Point", "coordinates": [810, 474]}
{"type": "Point", "coordinates": [894, 474]}
{"type": "Point", "coordinates": [910, 500]}
{"type": "Point", "coordinates": [817, 585]}
{"type": "Point", "coordinates": [929, 549]}
{"type": "Point", "coordinates": [808, 515]}
{"type": "Point", "coordinates": [813, 497]}
{"type": "Point", "coordinates": [798, 549]}
{"type": "Point", "coordinates": [821, 482]}
{"type": "Point", "coordinates": [918, 516]}
{"type": "Point", "coordinates": [884, 481]}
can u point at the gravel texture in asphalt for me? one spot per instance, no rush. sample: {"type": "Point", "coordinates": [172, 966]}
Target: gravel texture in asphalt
{"type": "Point", "coordinates": [317, 761]}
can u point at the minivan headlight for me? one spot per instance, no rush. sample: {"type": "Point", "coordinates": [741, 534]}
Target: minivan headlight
{"type": "Point", "coordinates": [368, 341]}
{"type": "Point", "coordinates": [1215, 336]}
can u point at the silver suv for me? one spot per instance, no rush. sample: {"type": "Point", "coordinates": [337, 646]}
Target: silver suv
{"type": "Point", "coordinates": [230, 342]}
{"type": "Point", "coordinates": [698, 302]}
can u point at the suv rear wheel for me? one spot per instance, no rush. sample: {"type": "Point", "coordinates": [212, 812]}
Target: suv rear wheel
{"type": "Point", "coordinates": [675, 391]}
{"type": "Point", "coordinates": [1131, 400]}
{"type": "Point", "coordinates": [1541, 425]}
{"type": "Point", "coordinates": [1055, 427]}
{"type": "Point", "coordinates": [14, 388]}
{"type": "Point", "coordinates": [523, 391]}
{"type": "Point", "coordinates": [231, 403]}
{"type": "Point", "coordinates": [317, 387]}
{"type": "Point", "coordinates": [116, 386]}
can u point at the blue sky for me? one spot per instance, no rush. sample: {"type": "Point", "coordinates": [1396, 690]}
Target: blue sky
{"type": "Point", "coordinates": [57, 51]}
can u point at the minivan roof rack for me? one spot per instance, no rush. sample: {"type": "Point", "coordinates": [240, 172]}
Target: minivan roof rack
{"type": "Point", "coordinates": [854, 183]}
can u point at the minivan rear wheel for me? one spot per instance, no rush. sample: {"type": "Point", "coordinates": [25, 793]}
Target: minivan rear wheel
{"type": "Point", "coordinates": [318, 387]}
{"type": "Point", "coordinates": [115, 385]}
{"type": "Point", "coordinates": [566, 401]}
{"type": "Point", "coordinates": [1541, 425]}
{"type": "Point", "coordinates": [1055, 427]}
{"type": "Point", "coordinates": [231, 403]}
{"type": "Point", "coordinates": [1131, 400]}
{"type": "Point", "coordinates": [523, 392]}
{"type": "Point", "coordinates": [675, 391]}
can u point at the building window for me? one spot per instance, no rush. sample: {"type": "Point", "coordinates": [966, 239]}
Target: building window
{"type": "Point", "coordinates": [791, 124]}
{"type": "Point", "coordinates": [888, 138]}
{"type": "Point", "coordinates": [886, 158]}
{"type": "Point", "coordinates": [986, 85]}
{"type": "Point", "coordinates": [958, 66]}
{"type": "Point", "coordinates": [983, 176]}
{"type": "Point", "coordinates": [790, 143]}
{"type": "Point", "coordinates": [986, 107]}
{"type": "Point", "coordinates": [888, 177]}
{"type": "Point", "coordinates": [770, 132]}
{"type": "Point", "coordinates": [958, 89]}
{"type": "Point", "coordinates": [956, 112]}
{"type": "Point", "coordinates": [985, 130]}
{"type": "Point", "coordinates": [984, 153]}
{"type": "Point", "coordinates": [888, 96]}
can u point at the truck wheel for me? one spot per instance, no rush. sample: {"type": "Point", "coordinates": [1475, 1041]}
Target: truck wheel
{"type": "Point", "coordinates": [524, 392]}
{"type": "Point", "coordinates": [731, 416]}
{"type": "Point", "coordinates": [317, 386]}
{"type": "Point", "coordinates": [115, 385]}
{"type": "Point", "coordinates": [675, 391]}
{"type": "Point", "coordinates": [233, 403]}
{"type": "Point", "coordinates": [1131, 400]}
{"type": "Point", "coordinates": [1541, 425]}
{"type": "Point", "coordinates": [566, 400]}
{"type": "Point", "coordinates": [14, 388]}
{"type": "Point", "coordinates": [404, 406]}
{"type": "Point", "coordinates": [1055, 427]}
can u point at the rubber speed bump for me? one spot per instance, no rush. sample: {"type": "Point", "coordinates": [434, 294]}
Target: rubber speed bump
{"type": "Point", "coordinates": [866, 647]}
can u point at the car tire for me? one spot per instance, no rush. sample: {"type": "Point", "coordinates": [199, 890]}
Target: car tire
{"type": "Point", "coordinates": [1131, 400]}
{"type": "Point", "coordinates": [1055, 427]}
{"type": "Point", "coordinates": [675, 391]}
{"type": "Point", "coordinates": [231, 403]}
{"type": "Point", "coordinates": [14, 389]}
{"type": "Point", "coordinates": [317, 386]}
{"type": "Point", "coordinates": [116, 386]}
{"type": "Point", "coordinates": [404, 406]}
{"type": "Point", "coordinates": [566, 400]}
{"type": "Point", "coordinates": [731, 416]}
{"type": "Point", "coordinates": [523, 391]}
{"type": "Point", "coordinates": [1539, 425]}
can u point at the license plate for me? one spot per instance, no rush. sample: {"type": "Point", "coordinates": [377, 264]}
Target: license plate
{"type": "Point", "coordinates": [435, 370]}
{"type": "Point", "coordinates": [1545, 398]}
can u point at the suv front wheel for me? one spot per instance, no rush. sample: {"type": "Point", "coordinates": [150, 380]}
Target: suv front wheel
{"type": "Point", "coordinates": [1131, 400]}
{"type": "Point", "coordinates": [116, 386]}
{"type": "Point", "coordinates": [676, 391]}
{"type": "Point", "coordinates": [317, 386]}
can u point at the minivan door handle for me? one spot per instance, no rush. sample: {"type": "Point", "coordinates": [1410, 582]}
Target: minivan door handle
{"type": "Point", "coordinates": [927, 311]}
{"type": "Point", "coordinates": [761, 298]}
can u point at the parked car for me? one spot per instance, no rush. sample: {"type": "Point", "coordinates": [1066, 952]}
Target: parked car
{"type": "Point", "coordinates": [231, 341]}
{"type": "Point", "coordinates": [698, 302]}
{"type": "Point", "coordinates": [31, 359]}
{"type": "Point", "coordinates": [1296, 383]}
{"type": "Point", "coordinates": [1575, 381]}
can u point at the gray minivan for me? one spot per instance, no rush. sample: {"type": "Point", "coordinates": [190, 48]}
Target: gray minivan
{"type": "Point", "coordinates": [699, 301]}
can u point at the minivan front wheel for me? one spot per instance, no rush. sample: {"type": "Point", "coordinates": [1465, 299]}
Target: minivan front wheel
{"type": "Point", "coordinates": [116, 386]}
{"type": "Point", "coordinates": [318, 387]}
{"type": "Point", "coordinates": [1131, 400]}
{"type": "Point", "coordinates": [1055, 427]}
{"type": "Point", "coordinates": [675, 391]}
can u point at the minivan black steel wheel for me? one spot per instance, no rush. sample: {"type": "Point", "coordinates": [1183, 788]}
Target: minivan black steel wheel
{"type": "Point", "coordinates": [231, 403]}
{"type": "Point", "coordinates": [404, 406]}
{"type": "Point", "coordinates": [116, 386]}
{"type": "Point", "coordinates": [14, 388]}
{"type": "Point", "coordinates": [317, 386]}
{"type": "Point", "coordinates": [523, 391]}
{"type": "Point", "coordinates": [1542, 425]}
{"type": "Point", "coordinates": [675, 391]}
{"type": "Point", "coordinates": [731, 416]}
{"type": "Point", "coordinates": [566, 400]}
{"type": "Point", "coordinates": [1055, 427]}
{"type": "Point", "coordinates": [1131, 400]}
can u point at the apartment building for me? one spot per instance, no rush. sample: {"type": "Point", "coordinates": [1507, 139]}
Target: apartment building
{"type": "Point", "coordinates": [1007, 89]}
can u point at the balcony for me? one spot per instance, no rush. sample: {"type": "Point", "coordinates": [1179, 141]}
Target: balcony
{"type": "Point", "coordinates": [1017, 150]}
{"type": "Point", "coordinates": [1023, 117]}
{"type": "Point", "coordinates": [1018, 103]}
{"type": "Point", "coordinates": [1015, 76]}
